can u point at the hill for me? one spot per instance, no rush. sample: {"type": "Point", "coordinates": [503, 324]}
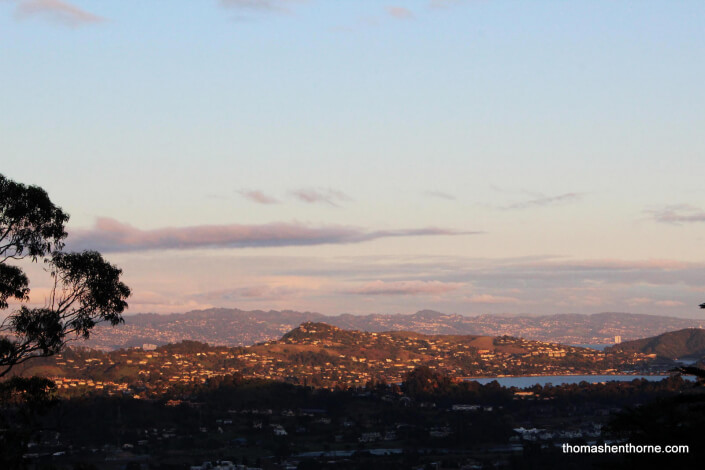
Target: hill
{"type": "Point", "coordinates": [233, 327]}
{"type": "Point", "coordinates": [687, 343]}
{"type": "Point", "coordinates": [320, 354]}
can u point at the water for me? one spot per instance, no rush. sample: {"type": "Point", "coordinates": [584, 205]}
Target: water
{"type": "Point", "coordinates": [530, 381]}
{"type": "Point", "coordinates": [599, 347]}
{"type": "Point", "coordinates": [687, 362]}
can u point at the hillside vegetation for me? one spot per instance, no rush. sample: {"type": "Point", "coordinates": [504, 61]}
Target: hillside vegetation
{"type": "Point", "coordinates": [689, 342]}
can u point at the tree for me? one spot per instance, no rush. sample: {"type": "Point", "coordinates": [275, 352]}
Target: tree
{"type": "Point", "coordinates": [86, 289]}
{"type": "Point", "coordinates": [424, 382]}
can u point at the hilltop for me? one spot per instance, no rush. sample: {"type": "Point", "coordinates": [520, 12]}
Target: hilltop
{"type": "Point", "coordinates": [686, 343]}
{"type": "Point", "coordinates": [234, 327]}
{"type": "Point", "coordinates": [324, 355]}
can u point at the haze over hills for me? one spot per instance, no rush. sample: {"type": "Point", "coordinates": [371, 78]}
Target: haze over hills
{"type": "Point", "coordinates": [686, 343]}
{"type": "Point", "coordinates": [234, 327]}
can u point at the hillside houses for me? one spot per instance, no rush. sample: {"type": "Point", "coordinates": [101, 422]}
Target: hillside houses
{"type": "Point", "coordinates": [324, 356]}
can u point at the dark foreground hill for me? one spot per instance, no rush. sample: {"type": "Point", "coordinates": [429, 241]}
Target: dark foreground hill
{"type": "Point", "coordinates": [687, 343]}
{"type": "Point", "coordinates": [233, 327]}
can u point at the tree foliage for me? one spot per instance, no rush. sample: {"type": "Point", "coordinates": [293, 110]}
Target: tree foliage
{"type": "Point", "coordinates": [30, 224]}
{"type": "Point", "coordinates": [86, 289]}
{"type": "Point", "coordinates": [423, 382]}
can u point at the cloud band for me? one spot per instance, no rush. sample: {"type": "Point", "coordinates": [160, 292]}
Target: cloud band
{"type": "Point", "coordinates": [109, 235]}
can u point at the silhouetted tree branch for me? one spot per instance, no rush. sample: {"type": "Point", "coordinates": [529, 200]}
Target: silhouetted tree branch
{"type": "Point", "coordinates": [86, 288]}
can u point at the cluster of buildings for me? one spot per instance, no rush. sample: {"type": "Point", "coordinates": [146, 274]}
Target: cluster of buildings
{"type": "Point", "coordinates": [320, 355]}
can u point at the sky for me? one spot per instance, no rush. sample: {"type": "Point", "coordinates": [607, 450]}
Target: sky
{"type": "Point", "coordinates": [467, 156]}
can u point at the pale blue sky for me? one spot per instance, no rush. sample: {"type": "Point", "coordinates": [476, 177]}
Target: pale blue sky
{"type": "Point", "coordinates": [568, 133]}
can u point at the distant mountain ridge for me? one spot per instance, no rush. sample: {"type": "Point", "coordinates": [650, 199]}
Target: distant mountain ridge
{"type": "Point", "coordinates": [689, 342]}
{"type": "Point", "coordinates": [234, 327]}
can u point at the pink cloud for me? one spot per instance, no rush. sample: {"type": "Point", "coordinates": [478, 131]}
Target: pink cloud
{"type": "Point", "coordinates": [678, 214]}
{"type": "Point", "coordinates": [109, 235]}
{"type": "Point", "coordinates": [171, 306]}
{"type": "Point", "coordinates": [547, 201]}
{"type": "Point", "coordinates": [492, 299]}
{"type": "Point", "coordinates": [258, 292]}
{"type": "Point", "coordinates": [57, 10]}
{"type": "Point", "coordinates": [147, 297]}
{"type": "Point", "coordinates": [662, 264]}
{"type": "Point", "coordinates": [588, 300]}
{"type": "Point", "coordinates": [639, 301]}
{"type": "Point", "coordinates": [405, 288]}
{"type": "Point", "coordinates": [327, 196]}
{"type": "Point", "coordinates": [400, 13]}
{"type": "Point", "coordinates": [258, 197]}
{"type": "Point", "coordinates": [669, 303]}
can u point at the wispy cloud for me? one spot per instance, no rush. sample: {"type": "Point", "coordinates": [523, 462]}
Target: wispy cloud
{"type": "Point", "coordinates": [443, 3]}
{"type": "Point", "coordinates": [259, 292]}
{"type": "Point", "coordinates": [359, 284]}
{"type": "Point", "coordinates": [404, 288]}
{"type": "Point", "coordinates": [326, 196]}
{"type": "Point", "coordinates": [649, 301]}
{"type": "Point", "coordinates": [639, 301]}
{"type": "Point", "coordinates": [280, 6]}
{"type": "Point", "coordinates": [678, 214]}
{"type": "Point", "coordinates": [56, 10]}
{"type": "Point", "coordinates": [542, 283]}
{"type": "Point", "coordinates": [400, 13]}
{"type": "Point", "coordinates": [491, 299]}
{"type": "Point", "coordinates": [257, 196]}
{"type": "Point", "coordinates": [110, 235]}
{"type": "Point", "coordinates": [440, 195]}
{"type": "Point", "coordinates": [547, 201]}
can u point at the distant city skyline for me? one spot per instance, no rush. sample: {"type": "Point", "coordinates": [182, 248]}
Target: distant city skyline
{"type": "Point", "coordinates": [369, 157]}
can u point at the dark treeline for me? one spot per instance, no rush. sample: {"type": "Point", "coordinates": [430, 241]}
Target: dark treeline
{"type": "Point", "coordinates": [428, 416]}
